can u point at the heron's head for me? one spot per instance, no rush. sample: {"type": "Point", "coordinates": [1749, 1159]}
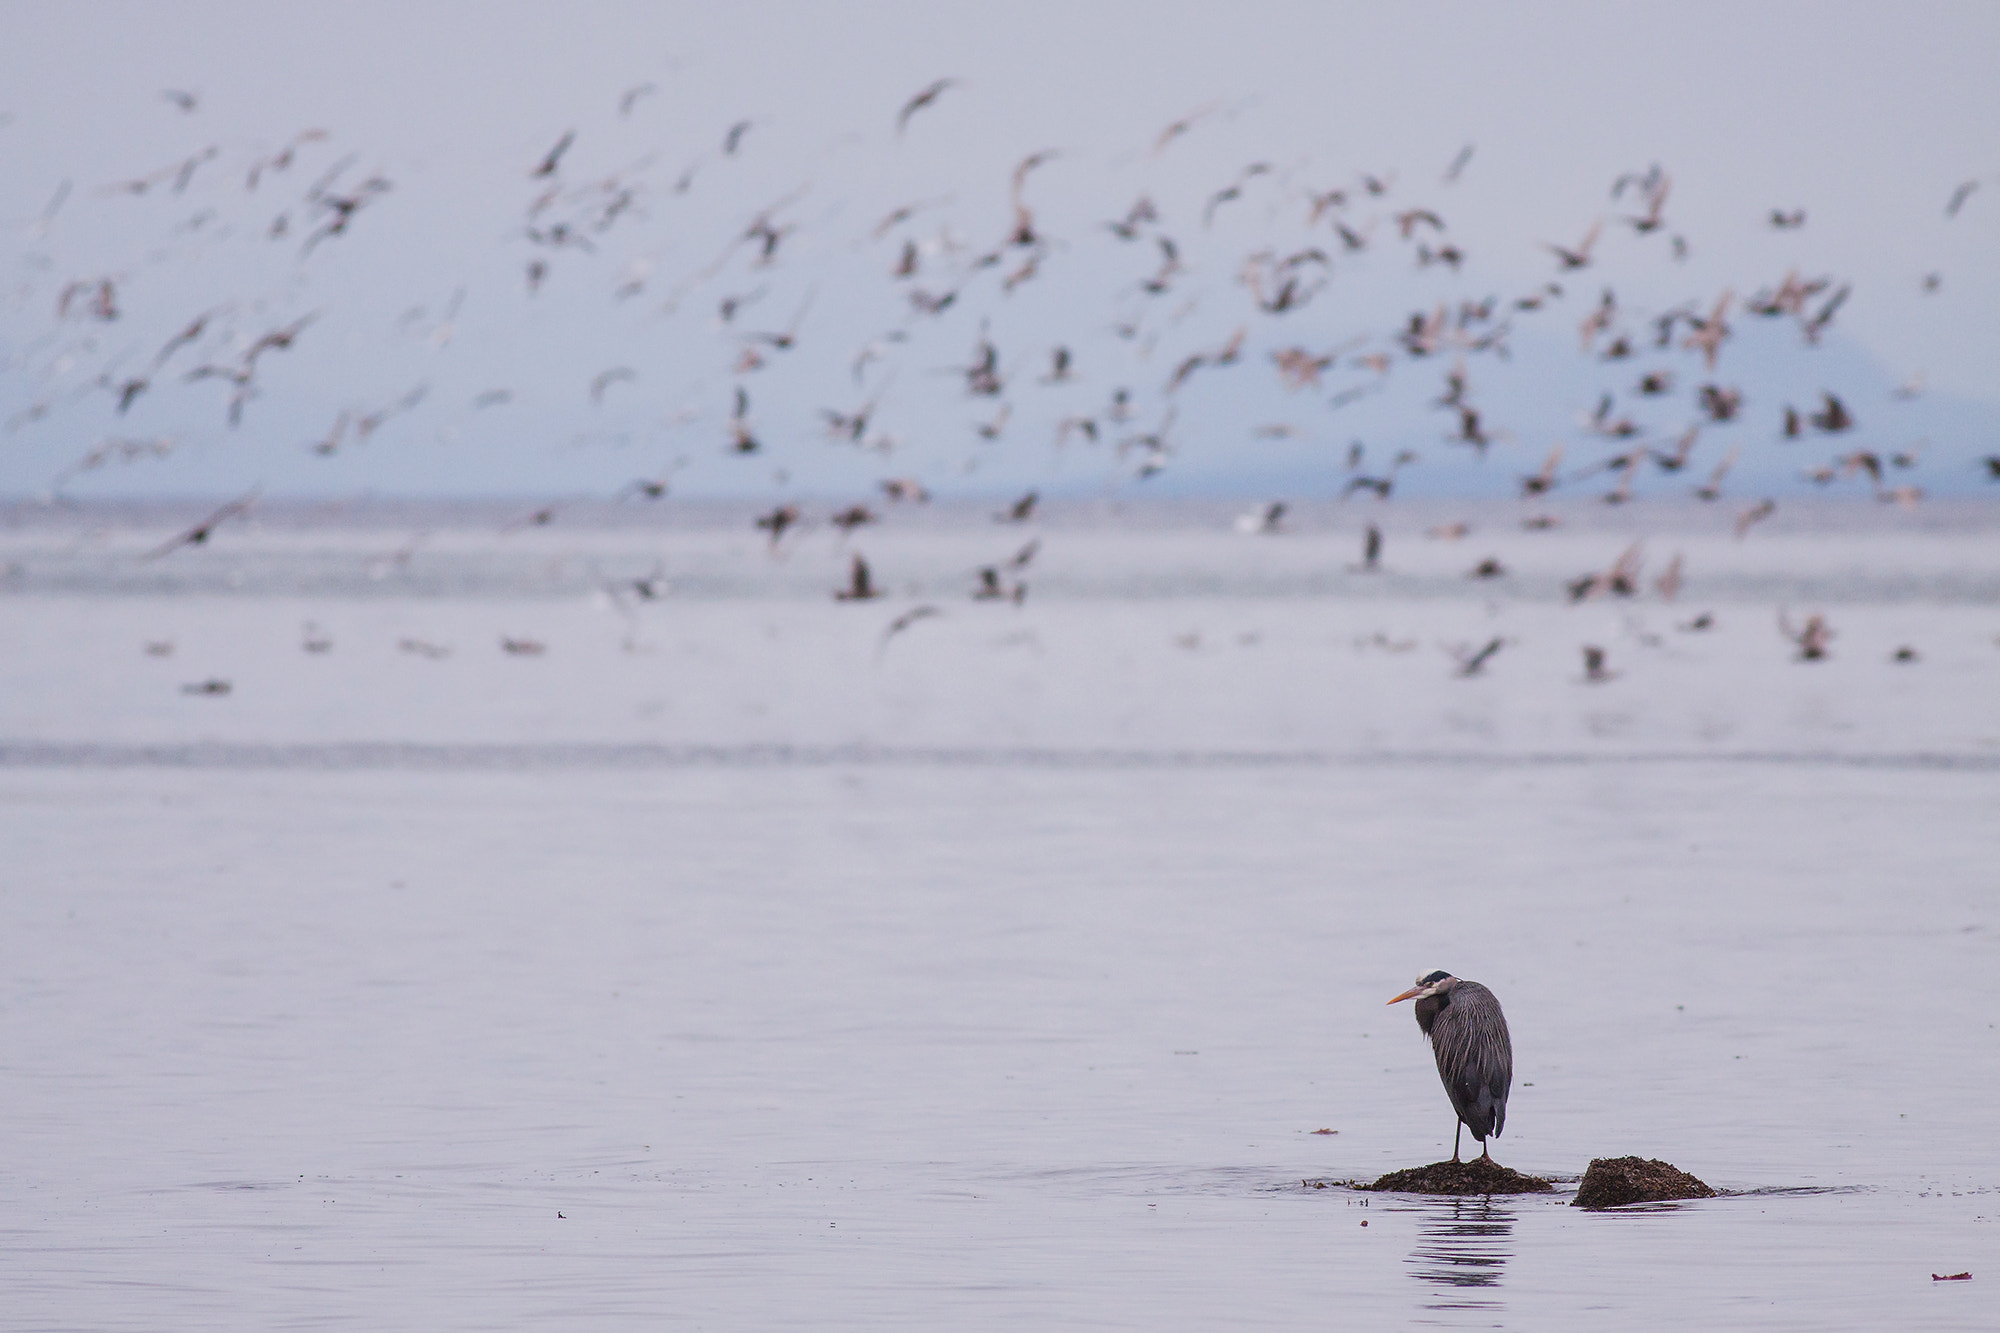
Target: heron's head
{"type": "Point", "coordinates": [1427, 986]}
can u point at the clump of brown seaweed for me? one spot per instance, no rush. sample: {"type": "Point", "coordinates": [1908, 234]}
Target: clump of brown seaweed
{"type": "Point", "coordinates": [1612, 1182]}
{"type": "Point", "coordinates": [1481, 1175]}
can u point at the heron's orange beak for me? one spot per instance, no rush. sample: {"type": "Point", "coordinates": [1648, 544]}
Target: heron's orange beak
{"type": "Point", "coordinates": [1412, 991]}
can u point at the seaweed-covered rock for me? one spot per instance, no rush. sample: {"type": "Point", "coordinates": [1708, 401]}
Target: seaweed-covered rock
{"type": "Point", "coordinates": [1478, 1176]}
{"type": "Point", "coordinates": [1614, 1181]}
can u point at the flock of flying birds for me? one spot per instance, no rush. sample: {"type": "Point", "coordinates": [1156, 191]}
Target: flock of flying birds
{"type": "Point", "coordinates": [938, 282]}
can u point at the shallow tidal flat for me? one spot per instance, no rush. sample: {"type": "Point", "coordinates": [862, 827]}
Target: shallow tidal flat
{"type": "Point", "coordinates": [719, 966]}
{"type": "Point", "coordinates": [1157, 633]}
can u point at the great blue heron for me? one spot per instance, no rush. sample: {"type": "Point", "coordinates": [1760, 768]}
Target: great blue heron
{"type": "Point", "coordinates": [1468, 1034]}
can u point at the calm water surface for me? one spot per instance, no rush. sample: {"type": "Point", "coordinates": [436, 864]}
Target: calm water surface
{"type": "Point", "coordinates": [916, 1045]}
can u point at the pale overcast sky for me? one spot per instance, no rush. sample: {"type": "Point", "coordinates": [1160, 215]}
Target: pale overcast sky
{"type": "Point", "coordinates": [1867, 117]}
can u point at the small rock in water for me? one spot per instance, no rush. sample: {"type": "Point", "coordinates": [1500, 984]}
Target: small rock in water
{"type": "Point", "coordinates": [1613, 1181]}
{"type": "Point", "coordinates": [1478, 1176]}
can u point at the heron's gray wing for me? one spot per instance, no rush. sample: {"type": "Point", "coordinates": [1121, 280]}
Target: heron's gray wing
{"type": "Point", "coordinates": [1475, 1057]}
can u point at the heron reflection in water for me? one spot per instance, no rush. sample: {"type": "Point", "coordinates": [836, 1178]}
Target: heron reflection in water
{"type": "Point", "coordinates": [1462, 1244]}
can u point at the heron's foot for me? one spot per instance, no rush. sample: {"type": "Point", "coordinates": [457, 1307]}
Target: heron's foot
{"type": "Point", "coordinates": [1485, 1154]}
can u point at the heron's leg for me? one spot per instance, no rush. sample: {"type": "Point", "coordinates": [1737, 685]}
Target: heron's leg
{"type": "Point", "coordinates": [1455, 1133]}
{"type": "Point", "coordinates": [1485, 1153]}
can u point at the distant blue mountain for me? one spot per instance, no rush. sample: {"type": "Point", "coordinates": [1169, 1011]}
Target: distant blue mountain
{"type": "Point", "coordinates": [1545, 393]}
